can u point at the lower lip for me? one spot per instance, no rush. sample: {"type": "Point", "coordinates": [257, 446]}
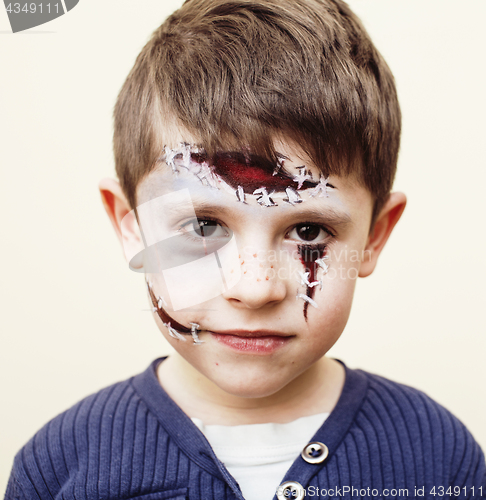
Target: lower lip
{"type": "Point", "coordinates": [254, 345]}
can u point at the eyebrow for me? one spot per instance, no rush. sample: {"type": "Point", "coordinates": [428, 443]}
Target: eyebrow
{"type": "Point", "coordinates": [329, 215]}
{"type": "Point", "coordinates": [198, 207]}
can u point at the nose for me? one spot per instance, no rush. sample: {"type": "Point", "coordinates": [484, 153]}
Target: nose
{"type": "Point", "coordinates": [259, 286]}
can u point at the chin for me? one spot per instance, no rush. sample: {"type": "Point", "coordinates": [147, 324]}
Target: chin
{"type": "Point", "coordinates": [250, 392]}
{"type": "Point", "coordinates": [250, 385]}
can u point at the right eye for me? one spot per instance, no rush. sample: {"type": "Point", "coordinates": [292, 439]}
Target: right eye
{"type": "Point", "coordinates": [205, 228]}
{"type": "Point", "coordinates": [309, 233]}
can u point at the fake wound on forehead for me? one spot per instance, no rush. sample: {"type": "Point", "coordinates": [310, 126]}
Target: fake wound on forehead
{"type": "Point", "coordinates": [253, 173]}
{"type": "Point", "coordinates": [245, 173]}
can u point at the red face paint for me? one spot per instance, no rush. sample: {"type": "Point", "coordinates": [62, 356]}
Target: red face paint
{"type": "Point", "coordinates": [165, 317]}
{"type": "Point", "coordinates": [250, 172]}
{"type": "Point", "coordinates": [308, 256]}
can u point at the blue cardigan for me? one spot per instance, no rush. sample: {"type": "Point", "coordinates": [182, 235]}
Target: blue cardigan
{"type": "Point", "coordinates": [131, 441]}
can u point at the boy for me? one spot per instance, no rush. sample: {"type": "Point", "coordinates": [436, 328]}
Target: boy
{"type": "Point", "coordinates": [256, 144]}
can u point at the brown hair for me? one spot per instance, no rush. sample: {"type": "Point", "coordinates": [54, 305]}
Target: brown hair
{"type": "Point", "coordinates": [239, 73]}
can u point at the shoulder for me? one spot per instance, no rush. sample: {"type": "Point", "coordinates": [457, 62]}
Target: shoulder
{"type": "Point", "coordinates": [388, 399]}
{"type": "Point", "coordinates": [403, 421]}
{"type": "Point", "coordinates": [63, 447]}
{"type": "Point", "coordinates": [126, 441]}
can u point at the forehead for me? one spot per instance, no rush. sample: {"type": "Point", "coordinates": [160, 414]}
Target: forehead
{"type": "Point", "coordinates": [241, 182]}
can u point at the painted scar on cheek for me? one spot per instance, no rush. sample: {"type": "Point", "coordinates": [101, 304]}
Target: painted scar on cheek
{"type": "Point", "coordinates": [312, 257]}
{"type": "Point", "coordinates": [175, 328]}
{"type": "Point", "coordinates": [194, 329]}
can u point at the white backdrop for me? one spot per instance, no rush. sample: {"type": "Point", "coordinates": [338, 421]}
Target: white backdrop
{"type": "Point", "coordinates": [75, 319]}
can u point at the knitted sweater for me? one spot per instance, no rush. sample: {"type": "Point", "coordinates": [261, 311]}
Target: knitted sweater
{"type": "Point", "coordinates": [131, 441]}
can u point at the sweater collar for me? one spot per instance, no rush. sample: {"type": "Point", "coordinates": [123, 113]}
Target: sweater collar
{"type": "Point", "coordinates": [192, 442]}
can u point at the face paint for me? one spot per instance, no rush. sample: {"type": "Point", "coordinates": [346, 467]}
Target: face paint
{"type": "Point", "coordinates": [322, 264]}
{"type": "Point", "coordinates": [240, 194]}
{"type": "Point", "coordinates": [307, 301]}
{"type": "Point", "coordinates": [252, 173]}
{"type": "Point", "coordinates": [263, 198]}
{"type": "Point", "coordinates": [304, 280]}
{"type": "Point", "coordinates": [243, 173]}
{"type": "Point", "coordinates": [195, 337]}
{"type": "Point", "coordinates": [161, 303]}
{"type": "Point", "coordinates": [175, 329]}
{"type": "Point", "coordinates": [293, 197]}
{"type": "Point", "coordinates": [303, 178]}
{"type": "Point", "coordinates": [309, 256]}
{"type": "Point", "coordinates": [168, 321]}
{"type": "Point", "coordinates": [321, 188]}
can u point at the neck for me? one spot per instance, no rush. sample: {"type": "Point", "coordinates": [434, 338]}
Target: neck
{"type": "Point", "coordinates": [316, 390]}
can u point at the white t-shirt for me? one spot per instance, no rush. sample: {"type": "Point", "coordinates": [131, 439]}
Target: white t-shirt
{"type": "Point", "coordinates": [259, 455]}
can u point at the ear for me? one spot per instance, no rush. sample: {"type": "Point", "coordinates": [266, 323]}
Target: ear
{"type": "Point", "coordinates": [385, 222]}
{"type": "Point", "coordinates": [115, 203]}
{"type": "Point", "coordinates": [122, 218]}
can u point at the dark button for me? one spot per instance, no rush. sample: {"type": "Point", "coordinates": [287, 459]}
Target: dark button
{"type": "Point", "coordinates": [315, 453]}
{"type": "Point", "coordinates": [290, 490]}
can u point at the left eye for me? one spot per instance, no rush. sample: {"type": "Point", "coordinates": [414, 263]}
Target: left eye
{"type": "Point", "coordinates": [205, 228]}
{"type": "Point", "coordinates": [308, 233]}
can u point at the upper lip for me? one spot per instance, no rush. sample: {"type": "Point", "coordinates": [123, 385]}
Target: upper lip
{"type": "Point", "coordinates": [253, 333]}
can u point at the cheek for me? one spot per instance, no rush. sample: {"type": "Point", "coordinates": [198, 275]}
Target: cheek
{"type": "Point", "coordinates": [335, 299]}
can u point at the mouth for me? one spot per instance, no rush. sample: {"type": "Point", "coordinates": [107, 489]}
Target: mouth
{"type": "Point", "coordinates": [254, 342]}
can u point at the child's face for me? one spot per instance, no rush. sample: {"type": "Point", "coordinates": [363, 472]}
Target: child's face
{"type": "Point", "coordinates": [276, 320]}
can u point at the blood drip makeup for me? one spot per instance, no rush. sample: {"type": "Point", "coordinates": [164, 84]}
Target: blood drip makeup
{"type": "Point", "coordinates": [309, 254]}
